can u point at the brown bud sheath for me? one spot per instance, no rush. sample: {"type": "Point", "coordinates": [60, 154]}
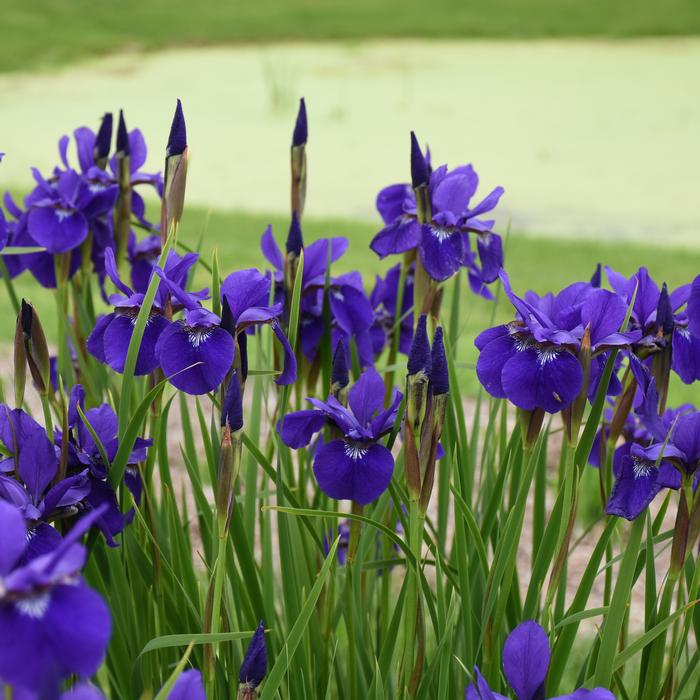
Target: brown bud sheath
{"type": "Point", "coordinates": [36, 350]}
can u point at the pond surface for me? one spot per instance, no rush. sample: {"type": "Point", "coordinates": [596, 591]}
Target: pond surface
{"type": "Point", "coordinates": [589, 138]}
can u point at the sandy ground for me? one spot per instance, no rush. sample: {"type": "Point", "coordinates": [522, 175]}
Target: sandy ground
{"type": "Point", "coordinates": [589, 138]}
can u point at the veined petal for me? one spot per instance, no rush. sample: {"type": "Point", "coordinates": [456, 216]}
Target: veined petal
{"type": "Point", "coordinates": [441, 251]}
{"type": "Point", "coordinates": [398, 236]}
{"type": "Point", "coordinates": [366, 396]}
{"type": "Point", "coordinates": [209, 348]}
{"type": "Point", "coordinates": [57, 229]}
{"type": "Point", "coordinates": [350, 471]}
{"type": "Point", "coordinates": [542, 378]}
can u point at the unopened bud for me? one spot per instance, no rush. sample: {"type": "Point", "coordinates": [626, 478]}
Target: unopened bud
{"type": "Point", "coordinates": [298, 160]}
{"type": "Point", "coordinates": [36, 352]}
{"type": "Point", "coordinates": [175, 178]}
{"type": "Point", "coordinates": [103, 141]}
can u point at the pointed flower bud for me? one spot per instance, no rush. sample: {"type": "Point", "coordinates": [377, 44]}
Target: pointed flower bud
{"type": "Point", "coordinates": [419, 354]}
{"type": "Point", "coordinates": [439, 375]}
{"type": "Point", "coordinates": [295, 240]}
{"type": "Point", "coordinates": [419, 166]}
{"type": "Point", "coordinates": [122, 136]}
{"type": "Point", "coordinates": [596, 277]}
{"type": "Point", "coordinates": [177, 140]}
{"type": "Point", "coordinates": [339, 374]}
{"type": "Point", "coordinates": [301, 129]}
{"type": "Point", "coordinates": [36, 349]}
{"type": "Point", "coordinates": [664, 312]}
{"type": "Point", "coordinates": [103, 140]}
{"type": "Point", "coordinates": [254, 666]}
{"type": "Point", "coordinates": [232, 406]}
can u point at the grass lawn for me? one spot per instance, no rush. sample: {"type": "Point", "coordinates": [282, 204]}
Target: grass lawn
{"type": "Point", "coordinates": [541, 264]}
{"type": "Point", "coordinates": [44, 33]}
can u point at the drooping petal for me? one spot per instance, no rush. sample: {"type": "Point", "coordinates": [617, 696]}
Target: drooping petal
{"type": "Point", "coordinates": [349, 471]}
{"type": "Point", "coordinates": [211, 349]}
{"type": "Point", "coordinates": [299, 427]}
{"type": "Point", "coordinates": [13, 533]}
{"type": "Point", "coordinates": [289, 366]}
{"type": "Point", "coordinates": [492, 359]}
{"type": "Point", "coordinates": [441, 251]}
{"type": "Point", "coordinates": [693, 309]}
{"type": "Point", "coordinates": [117, 336]}
{"type": "Point", "coordinates": [271, 250]}
{"type": "Point", "coordinates": [78, 626]}
{"type": "Point", "coordinates": [397, 237]}
{"type": "Point", "coordinates": [685, 358]}
{"type": "Point", "coordinates": [351, 309]}
{"type": "Point", "coordinates": [56, 229]}
{"type": "Point", "coordinates": [686, 437]}
{"type": "Point", "coordinates": [490, 248]}
{"type": "Point", "coordinates": [585, 694]}
{"type": "Point", "coordinates": [634, 489]}
{"type": "Point", "coordinates": [526, 655]}
{"type": "Point", "coordinates": [549, 379]}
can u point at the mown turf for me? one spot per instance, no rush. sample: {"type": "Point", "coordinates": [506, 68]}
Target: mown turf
{"type": "Point", "coordinates": [541, 264]}
{"type": "Point", "coordinates": [43, 33]}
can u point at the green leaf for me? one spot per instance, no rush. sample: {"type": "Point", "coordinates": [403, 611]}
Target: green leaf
{"type": "Point", "coordinates": [168, 641]}
{"type": "Point", "coordinates": [286, 654]}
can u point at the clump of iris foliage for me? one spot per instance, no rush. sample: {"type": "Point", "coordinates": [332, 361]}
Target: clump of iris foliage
{"type": "Point", "coordinates": [272, 487]}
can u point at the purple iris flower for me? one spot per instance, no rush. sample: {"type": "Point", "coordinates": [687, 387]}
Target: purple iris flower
{"type": "Point", "coordinates": [27, 475]}
{"type": "Point", "coordinates": [533, 361]}
{"type": "Point", "coordinates": [195, 352]}
{"type": "Point", "coordinates": [383, 299]}
{"type": "Point", "coordinates": [316, 258]}
{"type": "Point", "coordinates": [109, 340]}
{"type": "Point", "coordinates": [660, 318]}
{"type": "Point", "coordinates": [355, 467]}
{"type": "Point", "coordinates": [663, 450]}
{"type": "Point", "coordinates": [137, 153]}
{"type": "Point", "coordinates": [443, 242]}
{"type": "Point", "coordinates": [62, 211]}
{"type": "Point", "coordinates": [526, 656]}
{"type": "Point", "coordinates": [52, 625]}
{"type": "Point", "coordinates": [247, 293]}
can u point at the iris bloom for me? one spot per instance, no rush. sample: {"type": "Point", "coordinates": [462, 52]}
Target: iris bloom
{"type": "Point", "coordinates": [662, 453]}
{"type": "Point", "coordinates": [533, 362]}
{"type": "Point", "coordinates": [52, 625]}
{"type": "Point", "coordinates": [109, 340]}
{"type": "Point", "coordinates": [443, 242]}
{"type": "Point", "coordinates": [526, 656]}
{"type": "Point", "coordinates": [247, 294]}
{"type": "Point", "coordinates": [660, 318]}
{"type": "Point", "coordinates": [355, 467]}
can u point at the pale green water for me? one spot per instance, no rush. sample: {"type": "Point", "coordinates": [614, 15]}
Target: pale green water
{"type": "Point", "coordinates": [588, 138]}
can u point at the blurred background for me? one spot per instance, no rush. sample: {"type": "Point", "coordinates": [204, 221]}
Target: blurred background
{"type": "Point", "coordinates": [586, 111]}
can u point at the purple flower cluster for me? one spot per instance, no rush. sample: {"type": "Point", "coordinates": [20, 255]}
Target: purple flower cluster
{"type": "Point", "coordinates": [441, 236]}
{"type": "Point", "coordinates": [72, 210]}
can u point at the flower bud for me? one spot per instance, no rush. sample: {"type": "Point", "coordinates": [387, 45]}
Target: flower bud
{"type": "Point", "coordinates": [35, 350]}
{"type": "Point", "coordinates": [254, 666]}
{"type": "Point", "coordinates": [340, 377]}
{"type": "Point", "coordinates": [122, 209]}
{"type": "Point", "coordinates": [439, 372]}
{"type": "Point", "coordinates": [295, 238]}
{"type": "Point", "coordinates": [175, 177]}
{"type": "Point", "coordinates": [232, 406]}
{"type": "Point", "coordinates": [664, 313]}
{"type": "Point", "coordinates": [298, 160]}
{"type": "Point", "coordinates": [596, 278]}
{"type": "Point", "coordinates": [103, 141]}
{"type": "Point", "coordinates": [419, 166]}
